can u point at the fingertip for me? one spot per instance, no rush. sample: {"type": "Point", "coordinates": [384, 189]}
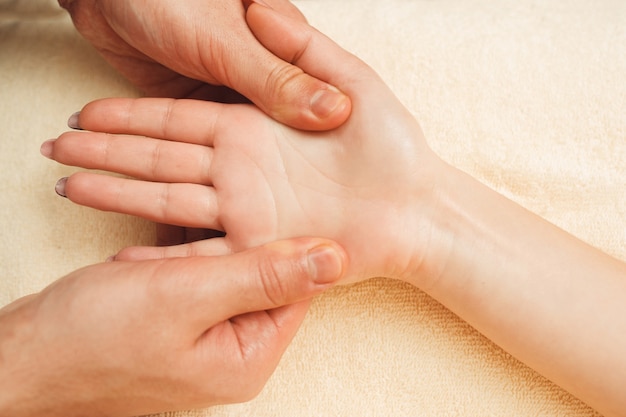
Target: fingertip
{"type": "Point", "coordinates": [60, 187]}
{"type": "Point", "coordinates": [306, 103]}
{"type": "Point", "coordinates": [326, 264]}
{"type": "Point", "coordinates": [110, 115]}
{"type": "Point", "coordinates": [330, 107]}
{"type": "Point", "coordinates": [47, 148]}
{"type": "Point", "coordinates": [73, 122]}
{"type": "Point", "coordinates": [301, 91]}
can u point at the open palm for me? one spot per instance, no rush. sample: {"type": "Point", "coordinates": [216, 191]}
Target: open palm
{"type": "Point", "coordinates": [232, 168]}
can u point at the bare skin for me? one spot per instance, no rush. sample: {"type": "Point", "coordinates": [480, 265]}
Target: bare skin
{"type": "Point", "coordinates": [204, 49]}
{"type": "Point", "coordinates": [375, 187]}
{"type": "Point", "coordinates": [136, 338]}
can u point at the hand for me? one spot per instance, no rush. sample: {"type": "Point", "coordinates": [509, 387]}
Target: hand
{"type": "Point", "coordinates": [133, 338]}
{"type": "Point", "coordinates": [172, 49]}
{"type": "Point", "coordinates": [232, 168]}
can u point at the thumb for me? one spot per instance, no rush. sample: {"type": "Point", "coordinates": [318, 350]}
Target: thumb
{"type": "Point", "coordinates": [264, 278]}
{"type": "Point", "coordinates": [285, 91]}
{"type": "Point", "coordinates": [297, 42]}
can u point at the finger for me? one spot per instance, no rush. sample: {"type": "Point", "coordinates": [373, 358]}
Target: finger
{"type": "Point", "coordinates": [282, 90]}
{"type": "Point", "coordinates": [189, 121]}
{"type": "Point", "coordinates": [188, 205]}
{"type": "Point", "coordinates": [226, 52]}
{"type": "Point", "coordinates": [263, 336]}
{"type": "Point", "coordinates": [290, 95]}
{"type": "Point", "coordinates": [264, 278]}
{"type": "Point", "coordinates": [305, 47]}
{"type": "Point", "coordinates": [248, 348]}
{"type": "Point", "coordinates": [207, 247]}
{"type": "Point", "coordinates": [136, 156]}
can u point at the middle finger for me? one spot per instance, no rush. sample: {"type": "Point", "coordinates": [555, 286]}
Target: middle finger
{"type": "Point", "coordinates": [136, 156]}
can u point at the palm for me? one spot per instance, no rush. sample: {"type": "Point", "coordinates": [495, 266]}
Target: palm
{"type": "Point", "coordinates": [265, 181]}
{"type": "Point", "coordinates": [360, 184]}
{"type": "Point", "coordinates": [273, 182]}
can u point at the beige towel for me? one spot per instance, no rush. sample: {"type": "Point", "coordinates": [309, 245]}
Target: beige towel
{"type": "Point", "coordinates": [527, 95]}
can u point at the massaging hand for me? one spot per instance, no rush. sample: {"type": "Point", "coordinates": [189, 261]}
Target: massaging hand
{"type": "Point", "coordinates": [133, 338]}
{"type": "Point", "coordinates": [232, 168]}
{"type": "Point", "coordinates": [172, 49]}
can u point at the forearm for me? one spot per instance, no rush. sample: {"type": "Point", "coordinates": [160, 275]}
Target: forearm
{"type": "Point", "coordinates": [549, 299]}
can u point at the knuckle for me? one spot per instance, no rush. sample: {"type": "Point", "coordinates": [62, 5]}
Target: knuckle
{"type": "Point", "coordinates": [168, 116]}
{"type": "Point", "coordinates": [163, 202]}
{"type": "Point", "coordinates": [107, 152]}
{"type": "Point", "coordinates": [270, 274]}
{"type": "Point", "coordinates": [280, 82]}
{"type": "Point", "coordinates": [155, 159]}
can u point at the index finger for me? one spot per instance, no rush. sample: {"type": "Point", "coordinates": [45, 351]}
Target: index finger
{"type": "Point", "coordinates": [181, 120]}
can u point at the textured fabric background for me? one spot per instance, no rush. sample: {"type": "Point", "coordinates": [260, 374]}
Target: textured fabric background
{"type": "Point", "coordinates": [529, 96]}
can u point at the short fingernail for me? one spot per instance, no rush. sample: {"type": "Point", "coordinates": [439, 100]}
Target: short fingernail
{"type": "Point", "coordinates": [326, 102]}
{"type": "Point", "coordinates": [325, 264]}
{"type": "Point", "coordinates": [110, 259]}
{"type": "Point", "coordinates": [72, 122]}
{"type": "Point", "coordinates": [46, 148]}
{"type": "Point", "coordinates": [60, 187]}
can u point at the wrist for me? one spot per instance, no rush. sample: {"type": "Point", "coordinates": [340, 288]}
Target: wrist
{"type": "Point", "coordinates": [453, 217]}
{"type": "Point", "coordinates": [423, 232]}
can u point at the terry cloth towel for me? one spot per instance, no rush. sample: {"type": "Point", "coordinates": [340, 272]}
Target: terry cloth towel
{"type": "Point", "coordinates": [529, 96]}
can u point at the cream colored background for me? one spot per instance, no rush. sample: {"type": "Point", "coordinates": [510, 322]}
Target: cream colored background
{"type": "Point", "coordinates": [527, 95]}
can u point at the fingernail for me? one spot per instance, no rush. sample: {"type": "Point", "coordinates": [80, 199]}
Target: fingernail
{"type": "Point", "coordinates": [46, 148]}
{"type": "Point", "coordinates": [327, 101]}
{"type": "Point", "coordinates": [72, 122]}
{"type": "Point", "coordinates": [110, 259]}
{"type": "Point", "coordinates": [325, 264]}
{"type": "Point", "coordinates": [60, 187]}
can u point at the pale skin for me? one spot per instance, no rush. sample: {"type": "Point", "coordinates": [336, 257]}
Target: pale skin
{"type": "Point", "coordinates": [376, 188]}
{"type": "Point", "coordinates": [204, 49]}
{"type": "Point", "coordinates": [134, 338]}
